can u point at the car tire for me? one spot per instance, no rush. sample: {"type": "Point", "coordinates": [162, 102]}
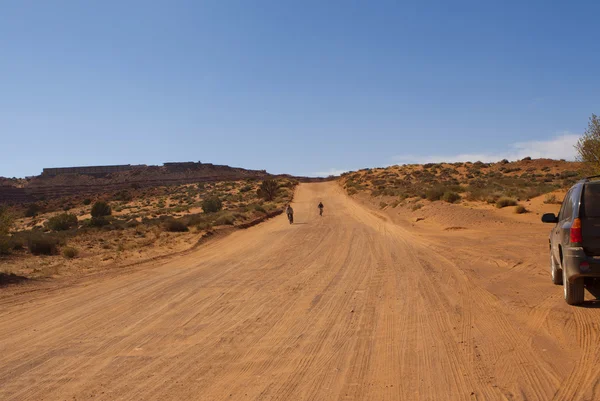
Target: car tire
{"type": "Point", "coordinates": [574, 290]}
{"type": "Point", "coordinates": [557, 273]}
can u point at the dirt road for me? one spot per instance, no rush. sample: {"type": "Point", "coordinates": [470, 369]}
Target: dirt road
{"type": "Point", "coordinates": [350, 306]}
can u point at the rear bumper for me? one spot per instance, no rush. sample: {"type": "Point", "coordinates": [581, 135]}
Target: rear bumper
{"type": "Point", "coordinates": [573, 259]}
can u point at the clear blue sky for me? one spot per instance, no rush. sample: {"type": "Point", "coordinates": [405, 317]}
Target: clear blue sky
{"type": "Point", "coordinates": [292, 86]}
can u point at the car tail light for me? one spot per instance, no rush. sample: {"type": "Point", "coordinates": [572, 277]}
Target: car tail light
{"type": "Point", "coordinates": [576, 232]}
{"type": "Point", "coordinates": [584, 265]}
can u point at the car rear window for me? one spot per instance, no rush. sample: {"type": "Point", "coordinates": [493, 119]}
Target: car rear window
{"type": "Point", "coordinates": [591, 200]}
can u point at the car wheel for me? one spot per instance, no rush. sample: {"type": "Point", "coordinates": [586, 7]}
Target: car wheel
{"type": "Point", "coordinates": [574, 290]}
{"type": "Point", "coordinates": [557, 273]}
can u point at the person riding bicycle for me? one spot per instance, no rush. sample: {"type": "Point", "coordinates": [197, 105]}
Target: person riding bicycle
{"type": "Point", "coordinates": [290, 213]}
{"type": "Point", "coordinates": [321, 208]}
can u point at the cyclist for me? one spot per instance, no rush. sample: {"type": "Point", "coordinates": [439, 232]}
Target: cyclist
{"type": "Point", "coordinates": [321, 208]}
{"type": "Point", "coordinates": [290, 213]}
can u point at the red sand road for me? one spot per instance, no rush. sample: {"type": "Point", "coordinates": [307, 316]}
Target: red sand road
{"type": "Point", "coordinates": [350, 306]}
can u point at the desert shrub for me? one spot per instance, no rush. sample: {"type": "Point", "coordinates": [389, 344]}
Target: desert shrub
{"type": "Point", "coordinates": [289, 184]}
{"type": "Point", "coordinates": [194, 219]}
{"type": "Point", "coordinates": [42, 244]}
{"type": "Point", "coordinates": [268, 190]}
{"type": "Point", "coordinates": [451, 197]}
{"type": "Point", "coordinates": [69, 252]}
{"type": "Point", "coordinates": [550, 199]}
{"type": "Point", "coordinates": [62, 222]}
{"type": "Point", "coordinates": [87, 201]}
{"type": "Point", "coordinates": [526, 159]}
{"type": "Point", "coordinates": [18, 240]}
{"type": "Point", "coordinates": [246, 188]}
{"type": "Point", "coordinates": [175, 226]}
{"type": "Point", "coordinates": [505, 201]}
{"type": "Point", "coordinates": [212, 205]}
{"type": "Point", "coordinates": [6, 220]}
{"type": "Point", "coordinates": [260, 209]}
{"type": "Point", "coordinates": [123, 196]}
{"type": "Point", "coordinates": [32, 210]}
{"type": "Point", "coordinates": [99, 222]}
{"type": "Point", "coordinates": [5, 245]}
{"type": "Point", "coordinates": [416, 206]}
{"type": "Point", "coordinates": [504, 161]}
{"type": "Point", "coordinates": [520, 209]}
{"type": "Point", "coordinates": [226, 219]}
{"type": "Point", "coordinates": [434, 194]}
{"type": "Point", "coordinates": [382, 205]}
{"type": "Point", "coordinates": [101, 209]}
{"type": "Point", "coordinates": [204, 226]}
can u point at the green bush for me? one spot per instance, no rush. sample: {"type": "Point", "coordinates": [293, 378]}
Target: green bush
{"type": "Point", "coordinates": [520, 209]}
{"type": "Point", "coordinates": [62, 222]}
{"type": "Point", "coordinates": [451, 197]}
{"type": "Point", "coordinates": [87, 201]}
{"type": "Point", "coordinates": [212, 205]}
{"type": "Point", "coordinates": [175, 226]}
{"type": "Point", "coordinates": [101, 209]}
{"type": "Point", "coordinates": [69, 252]}
{"type": "Point", "coordinates": [505, 201]}
{"type": "Point", "coordinates": [42, 244]}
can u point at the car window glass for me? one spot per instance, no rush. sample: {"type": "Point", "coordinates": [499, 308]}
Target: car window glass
{"type": "Point", "coordinates": [565, 206]}
{"type": "Point", "coordinates": [591, 200]}
{"type": "Point", "coordinates": [569, 208]}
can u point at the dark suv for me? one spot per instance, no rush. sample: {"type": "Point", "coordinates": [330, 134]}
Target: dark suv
{"type": "Point", "coordinates": [575, 240]}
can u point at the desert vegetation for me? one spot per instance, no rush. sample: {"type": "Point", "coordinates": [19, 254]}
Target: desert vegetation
{"type": "Point", "coordinates": [502, 184]}
{"type": "Point", "coordinates": [41, 239]}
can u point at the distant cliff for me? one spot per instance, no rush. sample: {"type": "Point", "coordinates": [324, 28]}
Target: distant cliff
{"type": "Point", "coordinates": [68, 181]}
